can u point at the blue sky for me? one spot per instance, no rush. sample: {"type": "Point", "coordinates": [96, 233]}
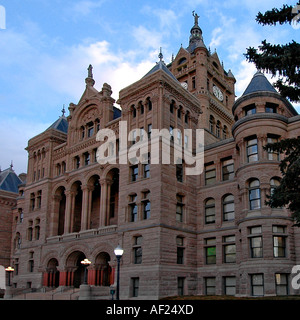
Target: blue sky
{"type": "Point", "coordinates": [47, 46]}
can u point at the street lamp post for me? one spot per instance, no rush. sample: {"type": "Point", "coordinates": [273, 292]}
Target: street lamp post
{"type": "Point", "coordinates": [118, 252]}
{"type": "Point", "coordinates": [9, 270]}
{"type": "Point", "coordinates": [86, 263]}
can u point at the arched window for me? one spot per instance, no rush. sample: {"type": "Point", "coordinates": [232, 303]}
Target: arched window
{"type": "Point", "coordinates": [210, 215]}
{"type": "Point", "coordinates": [254, 194]}
{"type": "Point", "coordinates": [172, 106]}
{"type": "Point", "coordinates": [211, 124]}
{"type": "Point", "coordinates": [274, 183]}
{"type": "Point", "coordinates": [228, 207]}
{"type": "Point", "coordinates": [225, 132]}
{"type": "Point", "coordinates": [133, 110]}
{"type": "Point", "coordinates": [179, 112]}
{"type": "Point", "coordinates": [218, 128]}
{"type": "Point", "coordinates": [149, 103]}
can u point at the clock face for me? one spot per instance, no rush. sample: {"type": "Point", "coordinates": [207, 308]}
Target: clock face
{"type": "Point", "coordinates": [184, 85]}
{"type": "Point", "coordinates": [218, 93]}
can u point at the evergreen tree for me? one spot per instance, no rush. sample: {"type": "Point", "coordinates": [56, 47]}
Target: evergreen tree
{"type": "Point", "coordinates": [283, 61]}
{"type": "Point", "coordinates": [279, 60]}
{"type": "Point", "coordinates": [288, 192]}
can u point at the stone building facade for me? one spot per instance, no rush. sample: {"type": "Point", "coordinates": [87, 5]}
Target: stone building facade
{"type": "Point", "coordinates": [209, 233]}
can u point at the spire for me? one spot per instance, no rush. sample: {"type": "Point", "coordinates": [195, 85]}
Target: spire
{"type": "Point", "coordinates": [160, 56]}
{"type": "Point", "coordinates": [63, 111]}
{"type": "Point", "coordinates": [11, 165]}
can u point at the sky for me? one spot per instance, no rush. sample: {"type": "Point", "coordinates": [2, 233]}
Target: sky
{"type": "Point", "coordinates": [46, 47]}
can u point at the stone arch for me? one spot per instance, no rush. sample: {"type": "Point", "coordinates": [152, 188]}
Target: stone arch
{"type": "Point", "coordinates": [103, 269]}
{"type": "Point", "coordinates": [75, 268]}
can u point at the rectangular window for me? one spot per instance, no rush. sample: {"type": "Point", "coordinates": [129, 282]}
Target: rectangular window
{"type": "Point", "coordinates": [251, 109]}
{"type": "Point", "coordinates": [86, 159]}
{"type": "Point", "coordinates": [179, 172]}
{"type": "Point", "coordinates": [135, 286]}
{"type": "Point", "coordinates": [256, 246]}
{"type": "Point", "coordinates": [229, 249]}
{"type": "Point", "coordinates": [257, 284]}
{"type": "Point", "coordinates": [180, 286]}
{"type": "Point", "coordinates": [279, 246]}
{"type": "Point", "coordinates": [179, 208]}
{"type": "Point", "coordinates": [227, 169]}
{"type": "Point", "coordinates": [90, 130]}
{"type": "Point", "coordinates": [180, 250]}
{"type": "Point", "coordinates": [146, 209]}
{"type": "Point", "coordinates": [230, 286]}
{"type": "Point", "coordinates": [210, 174]}
{"type": "Point", "coordinates": [281, 281]}
{"type": "Point", "coordinates": [133, 212]}
{"type": "Point", "coordinates": [137, 250]}
{"type": "Point", "coordinates": [210, 286]}
{"type": "Point", "coordinates": [252, 150]}
{"type": "Point", "coordinates": [134, 172]}
{"type": "Point", "coordinates": [210, 250]}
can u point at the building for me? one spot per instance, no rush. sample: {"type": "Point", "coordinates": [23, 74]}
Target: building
{"type": "Point", "coordinates": [182, 234]}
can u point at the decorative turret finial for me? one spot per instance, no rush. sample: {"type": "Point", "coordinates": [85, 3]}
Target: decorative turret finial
{"type": "Point", "coordinates": [160, 55]}
{"type": "Point", "coordinates": [90, 71]}
{"type": "Point", "coordinates": [63, 111]}
{"type": "Point", "coordinates": [11, 165]}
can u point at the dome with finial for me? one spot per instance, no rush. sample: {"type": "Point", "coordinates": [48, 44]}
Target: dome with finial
{"type": "Point", "coordinates": [196, 38]}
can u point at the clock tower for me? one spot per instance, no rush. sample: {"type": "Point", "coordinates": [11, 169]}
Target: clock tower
{"type": "Point", "coordinates": [202, 74]}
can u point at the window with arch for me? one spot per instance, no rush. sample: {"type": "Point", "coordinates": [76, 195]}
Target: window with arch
{"type": "Point", "coordinates": [272, 155]}
{"type": "Point", "coordinates": [225, 132]}
{"type": "Point", "coordinates": [18, 241]}
{"type": "Point", "coordinates": [29, 231]}
{"type": "Point", "coordinates": [274, 183]}
{"type": "Point", "coordinates": [149, 103]}
{"type": "Point", "coordinates": [133, 111]}
{"type": "Point", "coordinates": [211, 124]}
{"type": "Point", "coordinates": [210, 214]}
{"type": "Point", "coordinates": [252, 149]}
{"type": "Point", "coordinates": [218, 128]}
{"type": "Point", "coordinates": [228, 207]}
{"type": "Point", "coordinates": [172, 106]}
{"type": "Point", "coordinates": [254, 194]}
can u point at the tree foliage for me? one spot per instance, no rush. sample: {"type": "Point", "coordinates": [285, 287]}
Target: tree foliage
{"type": "Point", "coordinates": [279, 60]}
{"type": "Point", "coordinates": [288, 192]}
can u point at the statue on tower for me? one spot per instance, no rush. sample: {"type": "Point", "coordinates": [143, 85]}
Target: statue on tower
{"type": "Point", "coordinates": [90, 71]}
{"type": "Point", "coordinates": [195, 15]}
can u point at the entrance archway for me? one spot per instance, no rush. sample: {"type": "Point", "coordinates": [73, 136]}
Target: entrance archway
{"type": "Point", "coordinates": [52, 273]}
{"type": "Point", "coordinates": [103, 273]}
{"type": "Point", "coordinates": [76, 268]}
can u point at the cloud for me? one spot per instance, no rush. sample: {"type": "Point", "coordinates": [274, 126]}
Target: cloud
{"type": "Point", "coordinates": [84, 7]}
{"type": "Point", "coordinates": [14, 136]}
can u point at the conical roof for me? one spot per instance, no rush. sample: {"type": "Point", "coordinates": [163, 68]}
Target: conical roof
{"type": "Point", "coordinates": [60, 124]}
{"type": "Point", "coordinates": [259, 83]}
{"type": "Point", "coordinates": [9, 181]}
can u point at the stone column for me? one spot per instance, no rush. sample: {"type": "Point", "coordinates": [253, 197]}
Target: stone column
{"type": "Point", "coordinates": [69, 196]}
{"type": "Point", "coordinates": [86, 207]}
{"type": "Point", "coordinates": [103, 202]}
